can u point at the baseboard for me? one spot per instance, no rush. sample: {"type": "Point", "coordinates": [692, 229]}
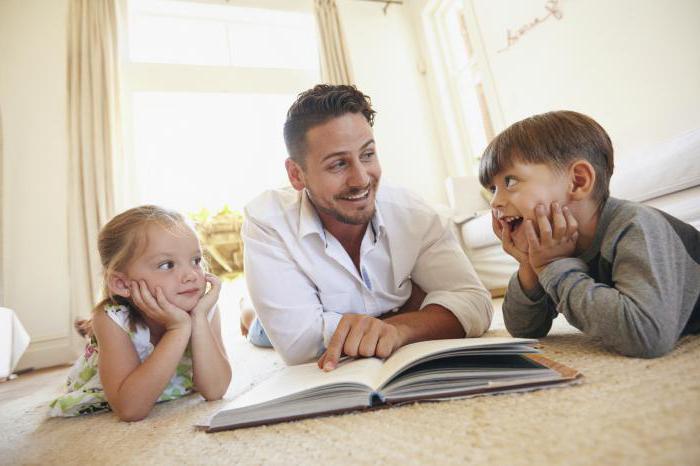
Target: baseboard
{"type": "Point", "coordinates": [48, 353]}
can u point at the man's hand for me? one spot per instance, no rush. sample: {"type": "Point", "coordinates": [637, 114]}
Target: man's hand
{"type": "Point", "coordinates": [361, 335]}
{"type": "Point", "coordinates": [158, 308]}
{"type": "Point", "coordinates": [556, 240]}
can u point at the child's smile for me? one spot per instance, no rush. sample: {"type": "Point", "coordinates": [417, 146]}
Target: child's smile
{"type": "Point", "coordinates": [518, 189]}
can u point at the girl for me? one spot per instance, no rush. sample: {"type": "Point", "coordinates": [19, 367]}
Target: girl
{"type": "Point", "coordinates": [157, 334]}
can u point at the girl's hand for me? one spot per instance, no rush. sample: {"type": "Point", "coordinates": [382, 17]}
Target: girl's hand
{"type": "Point", "coordinates": [158, 308]}
{"type": "Point", "coordinates": [502, 231]}
{"type": "Point", "coordinates": [209, 299]}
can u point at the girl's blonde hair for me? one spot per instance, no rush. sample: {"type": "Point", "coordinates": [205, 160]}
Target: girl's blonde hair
{"type": "Point", "coordinates": [122, 239]}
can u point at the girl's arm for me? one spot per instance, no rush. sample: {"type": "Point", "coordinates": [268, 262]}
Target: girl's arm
{"type": "Point", "coordinates": [132, 387]}
{"type": "Point", "coordinates": [212, 371]}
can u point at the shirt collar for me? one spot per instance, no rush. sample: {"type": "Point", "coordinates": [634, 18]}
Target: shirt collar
{"type": "Point", "coordinates": [377, 224]}
{"type": "Point", "coordinates": [309, 221]}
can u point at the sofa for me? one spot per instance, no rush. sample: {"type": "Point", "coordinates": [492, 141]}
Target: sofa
{"type": "Point", "coordinates": [666, 177]}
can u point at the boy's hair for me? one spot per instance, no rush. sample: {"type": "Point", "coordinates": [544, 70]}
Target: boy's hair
{"type": "Point", "coordinates": [122, 239]}
{"type": "Point", "coordinates": [315, 107]}
{"type": "Point", "coordinates": [556, 139]}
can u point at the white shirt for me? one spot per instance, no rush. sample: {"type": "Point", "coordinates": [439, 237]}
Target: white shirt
{"type": "Point", "coordinates": [301, 280]}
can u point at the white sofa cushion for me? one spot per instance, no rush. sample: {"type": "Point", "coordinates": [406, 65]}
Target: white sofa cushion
{"type": "Point", "coordinates": [667, 168]}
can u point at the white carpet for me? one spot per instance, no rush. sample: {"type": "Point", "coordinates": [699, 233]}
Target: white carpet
{"type": "Point", "coordinates": [627, 411]}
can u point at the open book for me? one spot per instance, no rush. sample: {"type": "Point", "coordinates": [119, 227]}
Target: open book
{"type": "Point", "coordinates": [428, 370]}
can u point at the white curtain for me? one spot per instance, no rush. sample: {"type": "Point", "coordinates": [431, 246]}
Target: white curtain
{"type": "Point", "coordinates": [94, 131]}
{"type": "Point", "coordinates": [2, 222]}
{"type": "Point", "coordinates": [335, 59]}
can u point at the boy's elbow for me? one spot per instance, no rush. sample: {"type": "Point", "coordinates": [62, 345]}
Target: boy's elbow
{"type": "Point", "coordinates": [527, 328]}
{"type": "Point", "coordinates": [647, 349]}
{"type": "Point", "coordinates": [647, 343]}
{"type": "Point", "coordinates": [528, 333]}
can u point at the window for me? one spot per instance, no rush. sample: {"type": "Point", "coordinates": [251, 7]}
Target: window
{"type": "Point", "coordinates": [459, 84]}
{"type": "Point", "coordinates": [206, 87]}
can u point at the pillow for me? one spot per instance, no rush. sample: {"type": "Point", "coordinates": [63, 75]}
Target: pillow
{"type": "Point", "coordinates": [664, 169]}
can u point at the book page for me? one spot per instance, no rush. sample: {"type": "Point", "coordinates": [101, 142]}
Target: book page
{"type": "Point", "coordinates": [305, 377]}
{"type": "Point", "coordinates": [408, 354]}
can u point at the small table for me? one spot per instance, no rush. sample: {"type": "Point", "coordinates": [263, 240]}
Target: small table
{"type": "Point", "coordinates": [14, 340]}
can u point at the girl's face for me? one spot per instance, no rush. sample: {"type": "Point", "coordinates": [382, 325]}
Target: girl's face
{"type": "Point", "coordinates": [518, 189]}
{"type": "Point", "coordinates": [171, 260]}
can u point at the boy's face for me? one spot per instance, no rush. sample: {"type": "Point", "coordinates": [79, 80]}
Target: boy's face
{"type": "Point", "coordinates": [518, 189]}
{"type": "Point", "coordinates": [172, 261]}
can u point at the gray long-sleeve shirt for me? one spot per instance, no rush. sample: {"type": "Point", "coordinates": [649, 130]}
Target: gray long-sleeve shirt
{"type": "Point", "coordinates": [636, 287]}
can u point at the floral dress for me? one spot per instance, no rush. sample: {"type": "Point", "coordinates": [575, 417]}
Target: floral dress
{"type": "Point", "coordinates": [85, 393]}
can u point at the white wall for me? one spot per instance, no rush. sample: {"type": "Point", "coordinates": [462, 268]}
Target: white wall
{"type": "Point", "coordinates": [385, 62]}
{"type": "Point", "coordinates": [34, 171]}
{"type": "Point", "coordinates": [633, 65]}
{"type": "Point", "coordinates": [34, 184]}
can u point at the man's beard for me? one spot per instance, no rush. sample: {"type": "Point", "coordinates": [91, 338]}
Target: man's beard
{"type": "Point", "coordinates": [361, 218]}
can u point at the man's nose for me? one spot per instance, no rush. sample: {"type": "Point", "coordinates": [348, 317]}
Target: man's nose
{"type": "Point", "coordinates": [358, 175]}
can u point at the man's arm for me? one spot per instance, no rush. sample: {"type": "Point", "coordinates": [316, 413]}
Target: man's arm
{"type": "Point", "coordinates": [285, 300]}
{"type": "Point", "coordinates": [457, 304]}
{"type": "Point", "coordinates": [445, 273]}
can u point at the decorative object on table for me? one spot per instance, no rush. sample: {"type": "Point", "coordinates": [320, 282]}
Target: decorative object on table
{"type": "Point", "coordinates": [13, 342]}
{"type": "Point", "coordinates": [220, 236]}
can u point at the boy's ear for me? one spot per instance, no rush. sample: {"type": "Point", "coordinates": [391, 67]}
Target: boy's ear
{"type": "Point", "coordinates": [118, 284]}
{"type": "Point", "coordinates": [582, 179]}
{"type": "Point", "coordinates": [295, 174]}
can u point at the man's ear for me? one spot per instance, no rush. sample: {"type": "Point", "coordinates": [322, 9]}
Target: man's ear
{"type": "Point", "coordinates": [582, 179]}
{"type": "Point", "coordinates": [118, 284]}
{"type": "Point", "coordinates": [295, 174]}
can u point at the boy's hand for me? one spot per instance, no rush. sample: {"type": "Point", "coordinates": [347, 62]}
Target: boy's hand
{"type": "Point", "coordinates": [502, 230]}
{"type": "Point", "coordinates": [209, 299]}
{"type": "Point", "coordinates": [158, 308]}
{"type": "Point", "coordinates": [556, 240]}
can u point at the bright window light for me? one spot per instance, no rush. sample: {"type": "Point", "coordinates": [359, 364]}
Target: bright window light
{"type": "Point", "coordinates": [206, 90]}
{"type": "Point", "coordinates": [177, 32]}
{"type": "Point", "coordinates": [207, 150]}
{"type": "Point", "coordinates": [458, 82]}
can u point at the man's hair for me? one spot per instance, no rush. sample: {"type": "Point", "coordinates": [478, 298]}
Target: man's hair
{"type": "Point", "coordinates": [315, 107]}
{"type": "Point", "coordinates": [556, 139]}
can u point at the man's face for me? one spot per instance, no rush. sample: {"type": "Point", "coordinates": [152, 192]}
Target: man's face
{"type": "Point", "coordinates": [342, 171]}
{"type": "Point", "coordinates": [518, 189]}
{"type": "Point", "coordinates": [171, 260]}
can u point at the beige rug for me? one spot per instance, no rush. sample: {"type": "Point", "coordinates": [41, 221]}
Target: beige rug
{"type": "Point", "coordinates": [627, 411]}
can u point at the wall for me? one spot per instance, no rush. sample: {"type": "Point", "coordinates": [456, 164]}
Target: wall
{"type": "Point", "coordinates": [633, 65]}
{"type": "Point", "coordinates": [34, 171]}
{"type": "Point", "coordinates": [34, 184]}
{"type": "Point", "coordinates": [385, 62]}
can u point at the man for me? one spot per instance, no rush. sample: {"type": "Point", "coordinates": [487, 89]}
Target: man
{"type": "Point", "coordinates": [330, 262]}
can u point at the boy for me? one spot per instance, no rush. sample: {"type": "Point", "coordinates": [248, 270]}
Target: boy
{"type": "Point", "coordinates": [621, 271]}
